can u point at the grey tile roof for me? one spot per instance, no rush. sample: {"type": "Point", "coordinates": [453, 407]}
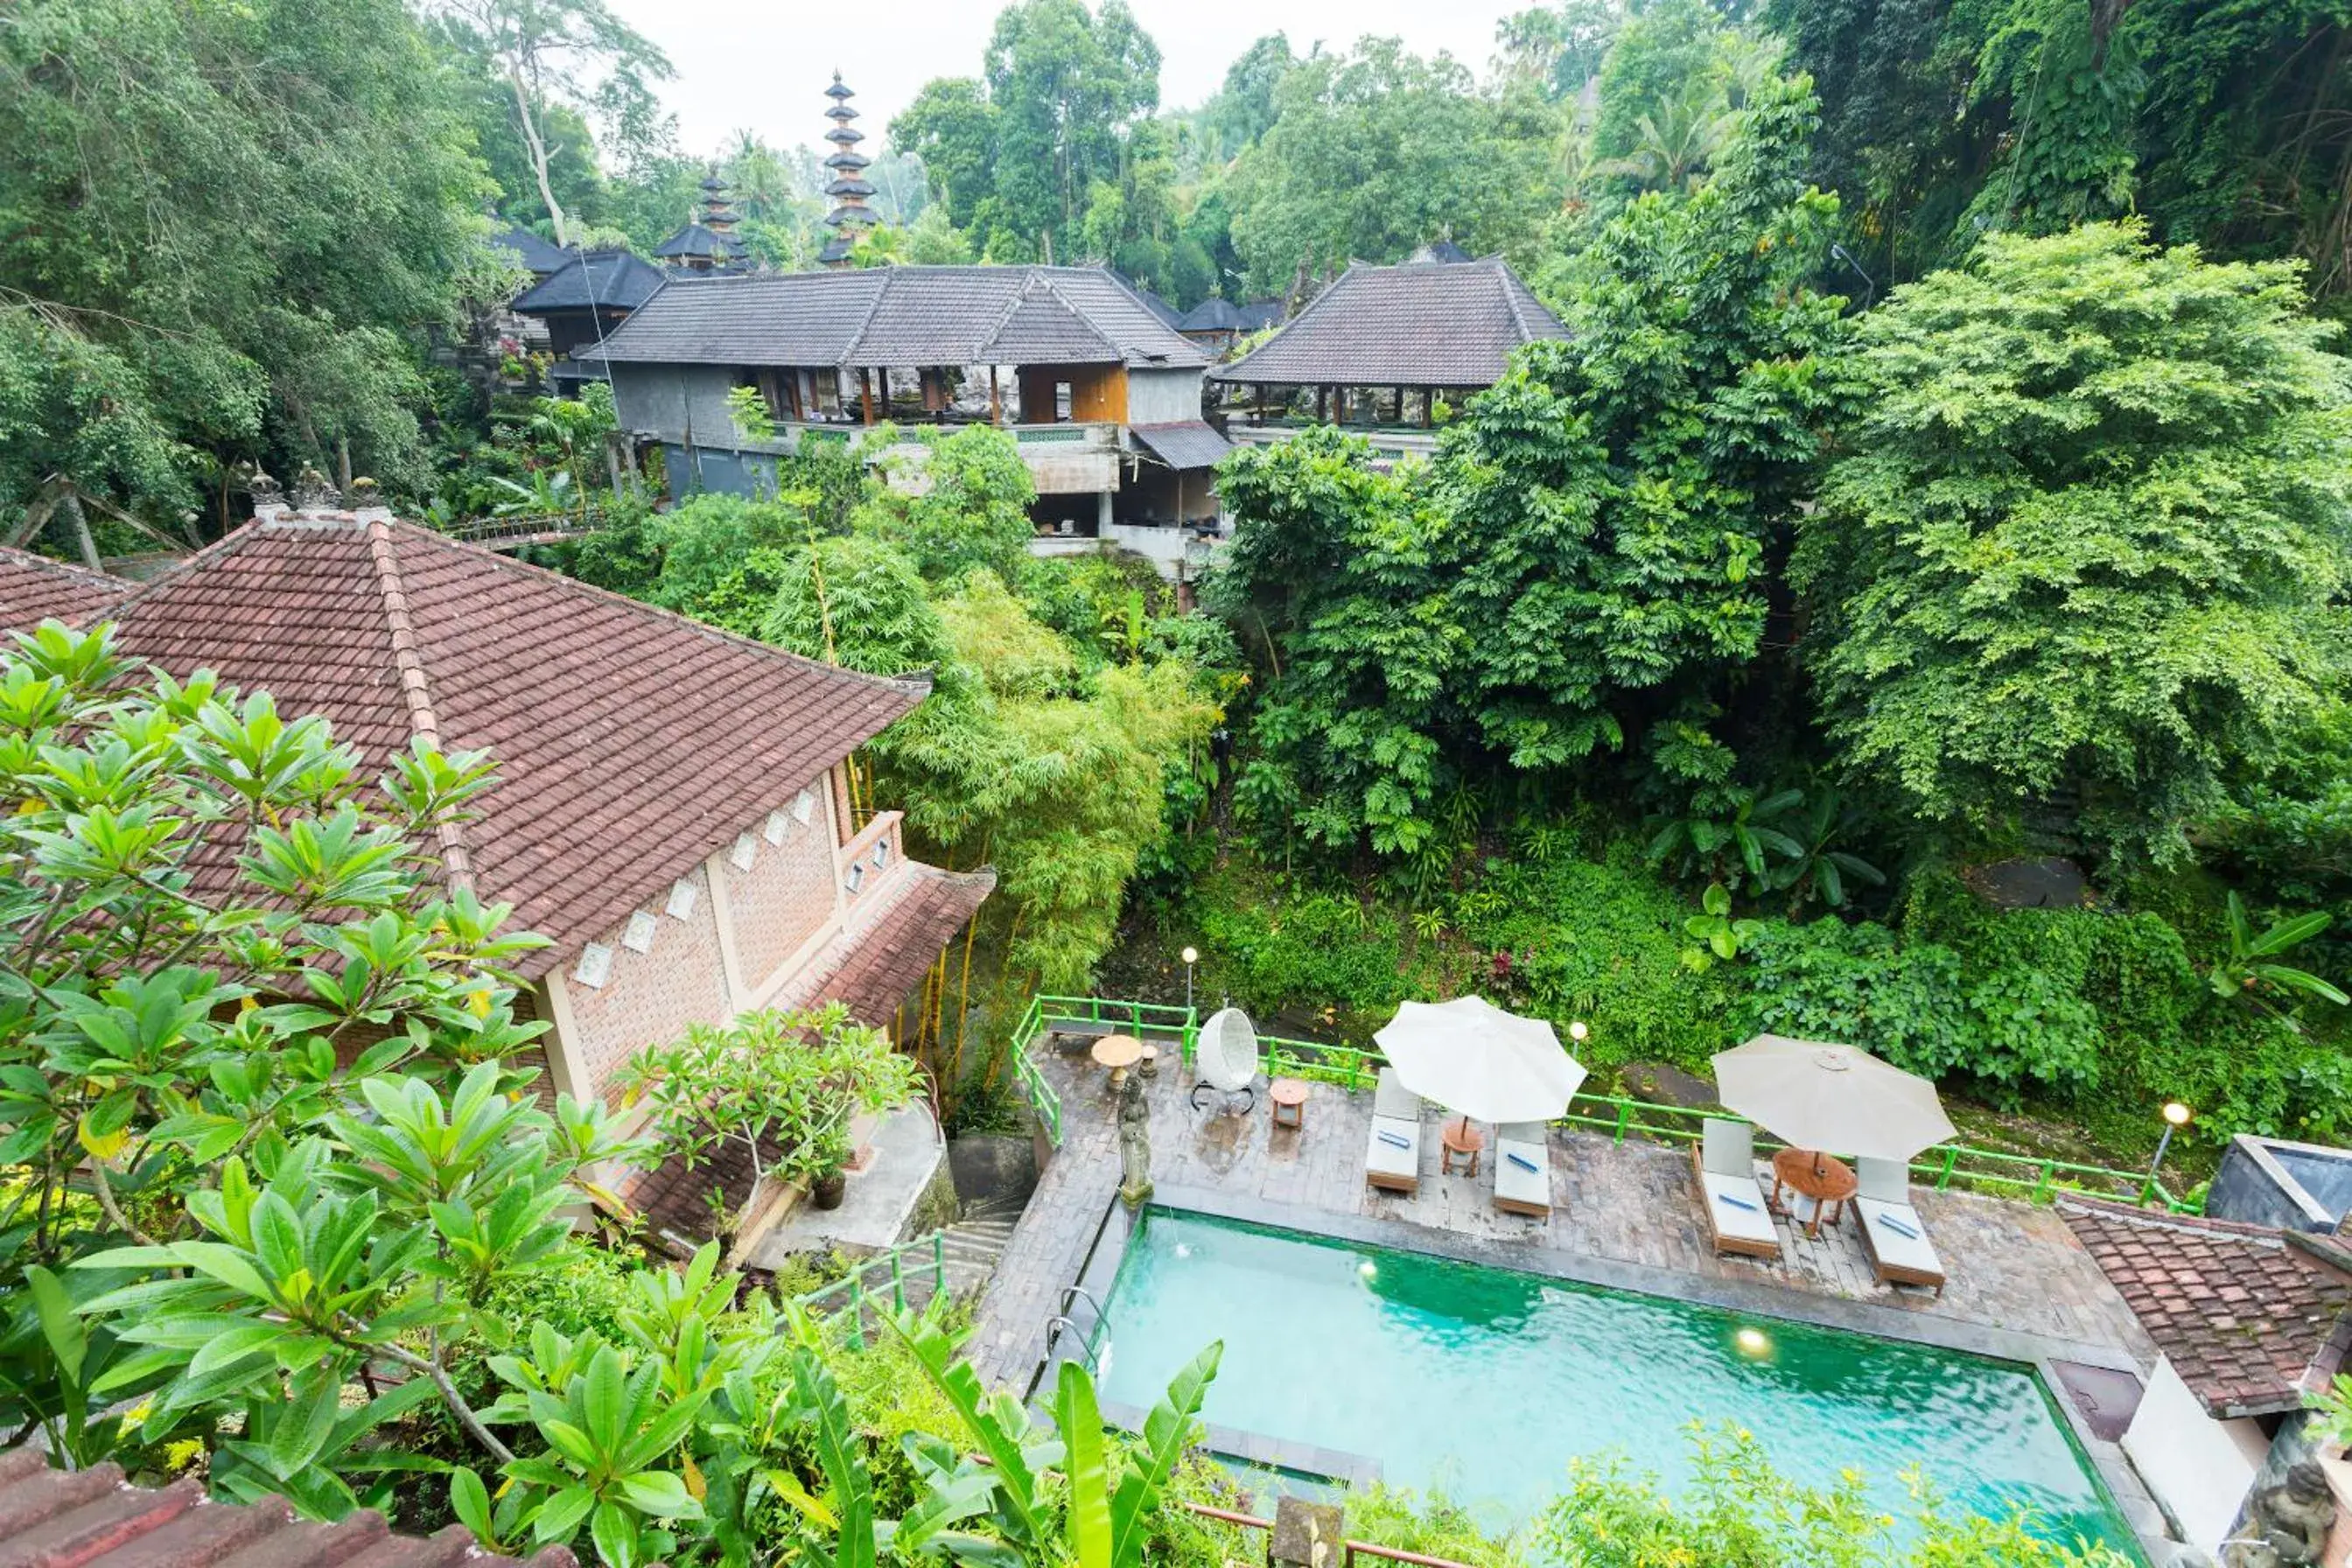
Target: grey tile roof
{"type": "Point", "coordinates": [1190, 444]}
{"type": "Point", "coordinates": [1042, 329]}
{"type": "Point", "coordinates": [901, 316]}
{"type": "Point", "coordinates": [1211, 315]}
{"type": "Point", "coordinates": [1421, 324]}
{"type": "Point", "coordinates": [1156, 305]}
{"type": "Point", "coordinates": [699, 240]}
{"type": "Point", "coordinates": [618, 280]}
{"type": "Point", "coordinates": [537, 254]}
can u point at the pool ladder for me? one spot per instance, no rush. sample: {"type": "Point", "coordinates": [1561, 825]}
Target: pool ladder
{"type": "Point", "coordinates": [1061, 1322]}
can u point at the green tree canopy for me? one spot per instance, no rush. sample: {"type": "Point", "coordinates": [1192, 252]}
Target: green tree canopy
{"type": "Point", "coordinates": [2086, 547]}
{"type": "Point", "coordinates": [229, 219]}
{"type": "Point", "coordinates": [1375, 153]}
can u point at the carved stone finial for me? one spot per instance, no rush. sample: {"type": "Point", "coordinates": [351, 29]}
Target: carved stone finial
{"type": "Point", "coordinates": [313, 491]}
{"type": "Point", "coordinates": [269, 501]}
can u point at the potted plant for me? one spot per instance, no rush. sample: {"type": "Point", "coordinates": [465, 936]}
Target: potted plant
{"type": "Point", "coordinates": [2330, 1426]}
{"type": "Point", "coordinates": [784, 1084]}
{"type": "Point", "coordinates": [821, 1164]}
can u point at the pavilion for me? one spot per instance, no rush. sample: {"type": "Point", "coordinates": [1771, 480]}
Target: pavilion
{"type": "Point", "coordinates": [1381, 347]}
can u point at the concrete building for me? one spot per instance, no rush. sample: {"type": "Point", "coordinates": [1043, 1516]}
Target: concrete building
{"type": "Point", "coordinates": [1101, 396]}
{"type": "Point", "coordinates": [672, 810]}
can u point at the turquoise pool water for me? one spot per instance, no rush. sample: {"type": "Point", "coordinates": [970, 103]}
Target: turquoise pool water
{"type": "Point", "coordinates": [1486, 1384]}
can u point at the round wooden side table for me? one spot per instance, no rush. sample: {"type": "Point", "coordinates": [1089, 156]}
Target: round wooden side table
{"type": "Point", "coordinates": [1461, 1141]}
{"type": "Point", "coordinates": [1288, 1097]}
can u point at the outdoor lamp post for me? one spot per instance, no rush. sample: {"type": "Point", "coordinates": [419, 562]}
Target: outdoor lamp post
{"type": "Point", "coordinates": [2176, 1116]}
{"type": "Point", "coordinates": [1192, 957]}
{"type": "Point", "coordinates": [1577, 1030]}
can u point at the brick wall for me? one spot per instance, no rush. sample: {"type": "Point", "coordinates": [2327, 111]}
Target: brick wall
{"type": "Point", "coordinates": [786, 897]}
{"type": "Point", "coordinates": [648, 998]}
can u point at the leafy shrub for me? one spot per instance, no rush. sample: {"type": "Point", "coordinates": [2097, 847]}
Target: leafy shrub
{"type": "Point", "coordinates": [1306, 951]}
{"type": "Point", "coordinates": [1602, 941]}
{"type": "Point", "coordinates": [1740, 1512]}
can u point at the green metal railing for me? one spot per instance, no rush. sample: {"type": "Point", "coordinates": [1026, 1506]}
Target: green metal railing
{"type": "Point", "coordinates": [854, 1291]}
{"type": "Point", "coordinates": [1350, 1068]}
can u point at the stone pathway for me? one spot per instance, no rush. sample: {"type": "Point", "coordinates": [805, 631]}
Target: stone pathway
{"type": "Point", "coordinates": [2014, 1267]}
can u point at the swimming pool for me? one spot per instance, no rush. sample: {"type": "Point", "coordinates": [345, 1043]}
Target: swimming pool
{"type": "Point", "coordinates": [1484, 1383]}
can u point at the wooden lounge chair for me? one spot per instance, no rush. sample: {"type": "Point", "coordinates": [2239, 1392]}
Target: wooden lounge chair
{"type": "Point", "coordinates": [1392, 1149]}
{"type": "Point", "coordinates": [1523, 1168]}
{"type": "Point", "coordinates": [1736, 1213]}
{"type": "Point", "coordinates": [1892, 1231]}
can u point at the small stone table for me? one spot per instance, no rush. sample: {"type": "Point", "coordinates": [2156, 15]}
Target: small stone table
{"type": "Point", "coordinates": [1460, 1140]}
{"type": "Point", "coordinates": [1288, 1097]}
{"type": "Point", "coordinates": [1827, 1182]}
{"type": "Point", "coordinates": [1118, 1053]}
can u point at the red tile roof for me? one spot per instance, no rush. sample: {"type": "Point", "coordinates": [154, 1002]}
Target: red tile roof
{"type": "Point", "coordinates": [630, 742]}
{"type": "Point", "coordinates": [33, 588]}
{"type": "Point", "coordinates": [2249, 1317]}
{"type": "Point", "coordinates": [885, 959]}
{"type": "Point", "coordinates": [93, 1519]}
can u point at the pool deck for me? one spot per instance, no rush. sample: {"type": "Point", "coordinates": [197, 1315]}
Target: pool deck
{"type": "Point", "coordinates": [1624, 1217]}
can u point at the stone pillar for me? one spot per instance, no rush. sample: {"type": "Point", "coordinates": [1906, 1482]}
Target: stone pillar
{"type": "Point", "coordinates": [1307, 1535]}
{"type": "Point", "coordinates": [1102, 513]}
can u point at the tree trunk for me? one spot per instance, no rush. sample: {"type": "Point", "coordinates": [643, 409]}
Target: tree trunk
{"type": "Point", "coordinates": [71, 504]}
{"type": "Point", "coordinates": [538, 146]}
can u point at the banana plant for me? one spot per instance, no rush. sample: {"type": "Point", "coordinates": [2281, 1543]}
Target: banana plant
{"type": "Point", "coordinates": [1724, 937]}
{"type": "Point", "coordinates": [1111, 1491]}
{"type": "Point", "coordinates": [2249, 969]}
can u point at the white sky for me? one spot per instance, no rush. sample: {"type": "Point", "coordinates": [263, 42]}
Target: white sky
{"type": "Point", "coordinates": [764, 64]}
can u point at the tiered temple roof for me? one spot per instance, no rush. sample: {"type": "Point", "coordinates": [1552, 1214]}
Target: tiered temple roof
{"type": "Point", "coordinates": [849, 187]}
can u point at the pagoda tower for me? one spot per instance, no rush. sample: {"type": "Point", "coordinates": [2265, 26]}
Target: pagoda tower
{"type": "Point", "coordinates": [849, 188]}
{"type": "Point", "coordinates": [708, 242]}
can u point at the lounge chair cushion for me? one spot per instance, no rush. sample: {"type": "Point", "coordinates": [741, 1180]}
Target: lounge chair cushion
{"type": "Point", "coordinates": [1730, 1149]}
{"type": "Point", "coordinates": [1753, 1223]}
{"type": "Point", "coordinates": [1514, 1182]}
{"type": "Point", "coordinates": [1911, 1253]}
{"type": "Point", "coordinates": [1393, 1099]}
{"type": "Point", "coordinates": [1383, 1157]}
{"type": "Point", "coordinates": [1884, 1181]}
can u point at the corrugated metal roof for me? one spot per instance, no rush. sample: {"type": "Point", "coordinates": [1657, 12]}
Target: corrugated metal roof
{"type": "Point", "coordinates": [94, 1519]}
{"type": "Point", "coordinates": [893, 316]}
{"type": "Point", "coordinates": [1421, 324]}
{"type": "Point", "coordinates": [1189, 444]}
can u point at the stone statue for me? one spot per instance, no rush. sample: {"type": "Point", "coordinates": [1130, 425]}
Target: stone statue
{"type": "Point", "coordinates": [1134, 1143]}
{"type": "Point", "coordinates": [365, 495]}
{"type": "Point", "coordinates": [313, 491]}
{"type": "Point", "coordinates": [2286, 1524]}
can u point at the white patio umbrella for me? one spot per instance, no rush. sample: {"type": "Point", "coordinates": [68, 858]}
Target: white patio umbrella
{"type": "Point", "coordinates": [1838, 1099]}
{"type": "Point", "coordinates": [1474, 1058]}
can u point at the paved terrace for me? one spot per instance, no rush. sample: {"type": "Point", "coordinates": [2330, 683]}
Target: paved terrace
{"type": "Point", "coordinates": [1627, 1216]}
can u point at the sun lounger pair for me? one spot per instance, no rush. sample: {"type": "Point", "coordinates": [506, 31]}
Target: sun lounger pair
{"type": "Point", "coordinates": [1392, 1150]}
{"type": "Point", "coordinates": [1892, 1231]}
